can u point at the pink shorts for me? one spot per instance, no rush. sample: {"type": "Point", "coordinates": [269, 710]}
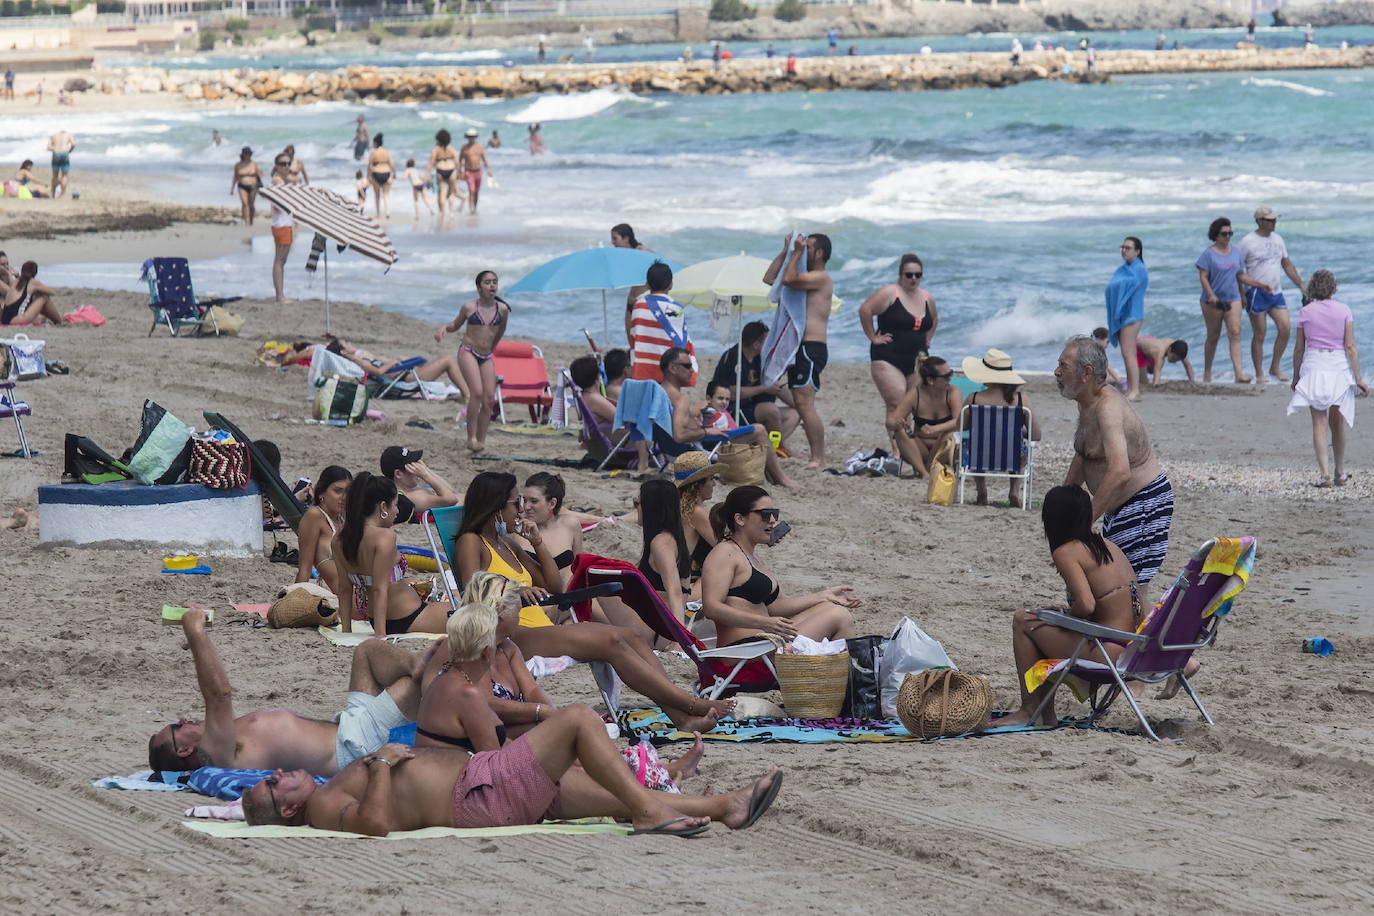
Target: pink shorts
{"type": "Point", "coordinates": [504, 788]}
{"type": "Point", "coordinates": [474, 178]}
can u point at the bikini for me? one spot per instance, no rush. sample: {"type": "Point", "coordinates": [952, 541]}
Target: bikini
{"type": "Point", "coordinates": [11, 312]}
{"type": "Point", "coordinates": [531, 616]}
{"type": "Point", "coordinates": [1135, 606]}
{"type": "Point", "coordinates": [498, 691]}
{"type": "Point", "coordinates": [699, 555]}
{"type": "Point", "coordinates": [755, 589]}
{"type": "Point", "coordinates": [380, 178]}
{"type": "Point", "coordinates": [920, 421]}
{"type": "Point", "coordinates": [476, 319]}
{"type": "Point", "coordinates": [362, 583]}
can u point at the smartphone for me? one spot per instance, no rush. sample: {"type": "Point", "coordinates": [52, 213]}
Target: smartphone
{"type": "Point", "coordinates": [779, 530]}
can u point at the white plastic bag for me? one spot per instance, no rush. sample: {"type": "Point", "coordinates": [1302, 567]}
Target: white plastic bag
{"type": "Point", "coordinates": [26, 358]}
{"type": "Point", "coordinates": [909, 651]}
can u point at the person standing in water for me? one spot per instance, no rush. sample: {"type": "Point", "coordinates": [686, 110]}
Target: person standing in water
{"type": "Point", "coordinates": [361, 139]}
{"type": "Point", "coordinates": [380, 169]}
{"type": "Point", "coordinates": [474, 159]}
{"type": "Point", "coordinates": [247, 178]}
{"type": "Point", "coordinates": [443, 164]}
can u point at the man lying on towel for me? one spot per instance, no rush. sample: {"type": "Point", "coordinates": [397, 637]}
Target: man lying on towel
{"type": "Point", "coordinates": [382, 694]}
{"type": "Point", "coordinates": [403, 788]}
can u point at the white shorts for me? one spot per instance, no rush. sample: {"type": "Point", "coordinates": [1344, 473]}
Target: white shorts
{"type": "Point", "coordinates": [365, 725]}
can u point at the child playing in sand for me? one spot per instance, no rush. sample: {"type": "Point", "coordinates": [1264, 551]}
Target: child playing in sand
{"type": "Point", "coordinates": [419, 188]}
{"type": "Point", "coordinates": [361, 184]}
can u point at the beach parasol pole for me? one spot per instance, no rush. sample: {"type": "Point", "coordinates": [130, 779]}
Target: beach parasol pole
{"type": "Point", "coordinates": [326, 289]}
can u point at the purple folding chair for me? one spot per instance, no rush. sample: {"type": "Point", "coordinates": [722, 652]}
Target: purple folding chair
{"type": "Point", "coordinates": [594, 434]}
{"type": "Point", "coordinates": [1184, 621]}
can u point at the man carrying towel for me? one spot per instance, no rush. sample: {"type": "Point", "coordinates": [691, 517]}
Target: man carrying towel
{"type": "Point", "coordinates": [418, 488]}
{"type": "Point", "coordinates": [383, 693]}
{"type": "Point", "coordinates": [804, 375]}
{"type": "Point", "coordinates": [1112, 455]}
{"type": "Point", "coordinates": [525, 781]}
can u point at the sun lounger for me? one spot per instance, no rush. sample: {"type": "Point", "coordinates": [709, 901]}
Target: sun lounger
{"type": "Point", "coordinates": [522, 377]}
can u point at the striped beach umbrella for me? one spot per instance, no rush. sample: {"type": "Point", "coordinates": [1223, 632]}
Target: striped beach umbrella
{"type": "Point", "coordinates": [334, 217]}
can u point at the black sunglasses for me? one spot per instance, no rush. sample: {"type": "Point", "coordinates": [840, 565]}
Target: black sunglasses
{"type": "Point", "coordinates": [272, 781]}
{"type": "Point", "coordinates": [1227, 232]}
{"type": "Point", "coordinates": [174, 726]}
{"type": "Point", "coordinates": [915, 276]}
{"type": "Point", "coordinates": [949, 374]}
{"type": "Point", "coordinates": [768, 515]}
{"type": "Point", "coordinates": [687, 366]}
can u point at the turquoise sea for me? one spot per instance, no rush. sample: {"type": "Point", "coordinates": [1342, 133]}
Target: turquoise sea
{"type": "Point", "coordinates": [1016, 199]}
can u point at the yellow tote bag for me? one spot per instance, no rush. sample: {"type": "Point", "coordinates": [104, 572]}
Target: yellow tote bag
{"type": "Point", "coordinates": [941, 490]}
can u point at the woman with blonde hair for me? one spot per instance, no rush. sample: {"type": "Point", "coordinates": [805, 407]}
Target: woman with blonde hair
{"type": "Point", "coordinates": [695, 476]}
{"type": "Point", "coordinates": [1326, 371]}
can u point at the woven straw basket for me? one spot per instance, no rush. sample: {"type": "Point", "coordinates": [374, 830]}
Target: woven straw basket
{"type": "Point", "coordinates": [299, 608]}
{"type": "Point", "coordinates": [813, 686]}
{"type": "Point", "coordinates": [741, 464]}
{"type": "Point", "coordinates": [943, 702]}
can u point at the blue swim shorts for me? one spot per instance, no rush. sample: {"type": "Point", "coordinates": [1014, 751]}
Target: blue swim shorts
{"type": "Point", "coordinates": [1259, 302]}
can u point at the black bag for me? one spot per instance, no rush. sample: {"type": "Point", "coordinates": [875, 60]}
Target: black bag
{"type": "Point", "coordinates": [863, 698]}
{"type": "Point", "coordinates": [87, 462]}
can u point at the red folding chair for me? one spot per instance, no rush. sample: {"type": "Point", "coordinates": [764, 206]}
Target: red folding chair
{"type": "Point", "coordinates": [522, 377]}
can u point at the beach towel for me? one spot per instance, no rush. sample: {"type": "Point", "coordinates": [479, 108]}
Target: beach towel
{"type": "Point", "coordinates": [144, 781]}
{"type": "Point", "coordinates": [658, 728]}
{"type": "Point", "coordinates": [1125, 295]}
{"type": "Point", "coordinates": [241, 831]}
{"type": "Point", "coordinates": [789, 322]}
{"type": "Point", "coordinates": [362, 632]}
{"type": "Point", "coordinates": [643, 405]}
{"type": "Point", "coordinates": [228, 784]}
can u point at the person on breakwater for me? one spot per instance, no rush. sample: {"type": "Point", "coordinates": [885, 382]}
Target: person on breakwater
{"type": "Point", "coordinates": [804, 375]}
{"type": "Point", "coordinates": [474, 159]}
{"type": "Point", "coordinates": [1266, 259]}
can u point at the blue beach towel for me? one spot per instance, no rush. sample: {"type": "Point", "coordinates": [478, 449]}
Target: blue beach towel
{"type": "Point", "coordinates": [643, 405]}
{"type": "Point", "coordinates": [229, 784]}
{"type": "Point", "coordinates": [1125, 295]}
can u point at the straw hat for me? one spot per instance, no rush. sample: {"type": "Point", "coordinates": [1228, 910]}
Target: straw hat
{"type": "Point", "coordinates": [691, 467]}
{"type": "Point", "coordinates": [993, 369]}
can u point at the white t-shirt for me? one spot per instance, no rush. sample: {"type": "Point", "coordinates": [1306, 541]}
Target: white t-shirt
{"type": "Point", "coordinates": [1264, 258]}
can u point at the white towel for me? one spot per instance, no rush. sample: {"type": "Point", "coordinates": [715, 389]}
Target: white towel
{"type": "Point", "coordinates": [789, 322]}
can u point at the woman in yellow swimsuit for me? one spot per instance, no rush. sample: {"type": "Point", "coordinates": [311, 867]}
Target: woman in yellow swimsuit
{"type": "Point", "coordinates": [491, 509]}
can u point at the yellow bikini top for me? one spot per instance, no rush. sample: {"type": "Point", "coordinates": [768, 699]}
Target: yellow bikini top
{"type": "Point", "coordinates": [531, 616]}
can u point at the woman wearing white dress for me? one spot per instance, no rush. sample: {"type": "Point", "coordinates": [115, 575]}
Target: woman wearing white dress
{"type": "Point", "coordinates": [1326, 371]}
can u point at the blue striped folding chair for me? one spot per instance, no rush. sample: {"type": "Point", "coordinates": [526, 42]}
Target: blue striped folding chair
{"type": "Point", "coordinates": [996, 443]}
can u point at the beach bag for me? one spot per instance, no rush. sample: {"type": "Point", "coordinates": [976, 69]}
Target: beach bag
{"type": "Point", "coordinates": [863, 696]}
{"type": "Point", "coordinates": [221, 465]}
{"type": "Point", "coordinates": [85, 462]}
{"type": "Point", "coordinates": [940, 492]}
{"type": "Point", "coordinates": [228, 322]}
{"type": "Point", "coordinates": [741, 463]}
{"type": "Point", "coordinates": [163, 450]}
{"type": "Point", "coordinates": [25, 358]}
{"type": "Point", "coordinates": [937, 704]}
{"type": "Point", "coordinates": [298, 607]}
{"type": "Point", "coordinates": [340, 400]}
{"type": "Point", "coordinates": [908, 651]}
{"type": "Point", "coordinates": [812, 686]}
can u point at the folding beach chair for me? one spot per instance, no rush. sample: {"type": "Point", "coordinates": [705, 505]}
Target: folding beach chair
{"type": "Point", "coordinates": [522, 377]}
{"type": "Point", "coordinates": [1185, 620]}
{"type": "Point", "coordinates": [998, 444]}
{"type": "Point", "coordinates": [394, 384]}
{"type": "Point", "coordinates": [745, 666]}
{"type": "Point", "coordinates": [11, 406]}
{"type": "Point", "coordinates": [594, 435]}
{"type": "Point", "coordinates": [172, 297]}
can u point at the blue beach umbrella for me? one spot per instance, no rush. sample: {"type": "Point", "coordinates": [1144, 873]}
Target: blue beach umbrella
{"type": "Point", "coordinates": [593, 268]}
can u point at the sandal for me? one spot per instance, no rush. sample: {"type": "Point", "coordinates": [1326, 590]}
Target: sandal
{"type": "Point", "coordinates": [1324, 483]}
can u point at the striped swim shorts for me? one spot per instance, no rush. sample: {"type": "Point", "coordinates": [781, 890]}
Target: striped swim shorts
{"type": "Point", "coordinates": [1140, 527]}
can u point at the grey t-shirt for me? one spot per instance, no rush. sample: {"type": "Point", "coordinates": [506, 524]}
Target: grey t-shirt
{"type": "Point", "coordinates": [1263, 258]}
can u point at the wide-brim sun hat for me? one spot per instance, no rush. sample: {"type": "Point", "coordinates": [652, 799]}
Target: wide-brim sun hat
{"type": "Point", "coordinates": [993, 369]}
{"type": "Point", "coordinates": [691, 467]}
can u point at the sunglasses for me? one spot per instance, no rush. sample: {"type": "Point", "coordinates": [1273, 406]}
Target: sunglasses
{"type": "Point", "coordinates": [1227, 233]}
{"type": "Point", "coordinates": [271, 782]}
{"type": "Point", "coordinates": [945, 375]}
{"type": "Point", "coordinates": [916, 276]}
{"type": "Point", "coordinates": [687, 366]}
{"type": "Point", "coordinates": [174, 726]}
{"type": "Point", "coordinates": [768, 515]}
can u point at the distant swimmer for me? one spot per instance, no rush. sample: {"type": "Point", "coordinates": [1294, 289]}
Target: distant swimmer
{"type": "Point", "coordinates": [61, 145]}
{"type": "Point", "coordinates": [361, 139]}
{"type": "Point", "coordinates": [474, 160]}
{"type": "Point", "coordinates": [536, 139]}
{"type": "Point", "coordinates": [216, 139]}
{"type": "Point", "coordinates": [247, 178]}
{"type": "Point", "coordinates": [495, 141]}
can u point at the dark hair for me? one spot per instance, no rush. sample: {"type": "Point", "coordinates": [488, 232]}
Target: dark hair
{"type": "Point", "coordinates": [443, 137]}
{"type": "Point", "coordinates": [712, 387]}
{"type": "Point", "coordinates": [738, 502]}
{"type": "Point", "coordinates": [29, 270]}
{"type": "Point", "coordinates": [410, 163]}
{"type": "Point", "coordinates": [584, 371]}
{"type": "Point", "coordinates": [245, 154]}
{"type": "Point", "coordinates": [365, 494]}
{"type": "Point", "coordinates": [910, 259]}
{"type": "Point", "coordinates": [1179, 348]}
{"type": "Point", "coordinates": [162, 756]}
{"type": "Point", "coordinates": [487, 495]}
{"type": "Point", "coordinates": [753, 331]}
{"type": "Point", "coordinates": [26, 164]}
{"type": "Point", "coordinates": [625, 231]}
{"type": "Point", "coordinates": [616, 362]}
{"type": "Point", "coordinates": [270, 453]}
{"type": "Point", "coordinates": [1101, 333]}
{"type": "Point", "coordinates": [552, 487]}
{"type": "Point", "coordinates": [822, 243]}
{"type": "Point", "coordinates": [1139, 246]}
{"type": "Point", "coordinates": [658, 504]}
{"type": "Point", "coordinates": [330, 476]}
{"type": "Point", "coordinates": [1008, 391]}
{"type": "Point", "coordinates": [480, 274]}
{"type": "Point", "coordinates": [930, 367]}
{"type": "Point", "coordinates": [1218, 224]}
{"type": "Point", "coordinates": [659, 276]}
{"type": "Point", "coordinates": [668, 356]}
{"type": "Point", "coordinates": [377, 140]}
{"type": "Point", "coordinates": [1067, 514]}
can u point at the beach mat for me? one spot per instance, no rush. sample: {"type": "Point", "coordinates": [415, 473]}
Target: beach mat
{"type": "Point", "coordinates": [362, 632]}
{"type": "Point", "coordinates": [237, 830]}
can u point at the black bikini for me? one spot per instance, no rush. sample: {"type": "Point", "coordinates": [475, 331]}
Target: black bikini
{"type": "Point", "coordinates": [464, 743]}
{"type": "Point", "coordinates": [908, 337]}
{"type": "Point", "coordinates": [755, 589]}
{"type": "Point", "coordinates": [562, 560]}
{"type": "Point", "coordinates": [699, 555]}
{"type": "Point", "coordinates": [403, 624]}
{"type": "Point", "coordinates": [920, 421]}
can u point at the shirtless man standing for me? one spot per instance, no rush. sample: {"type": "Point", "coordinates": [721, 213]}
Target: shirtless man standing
{"type": "Point", "coordinates": [474, 162]}
{"type": "Point", "coordinates": [804, 375]}
{"type": "Point", "coordinates": [61, 145]}
{"type": "Point", "coordinates": [687, 427]}
{"type": "Point", "coordinates": [1114, 458]}
{"type": "Point", "coordinates": [525, 781]}
{"type": "Point", "coordinates": [381, 695]}
{"type": "Point", "coordinates": [361, 140]}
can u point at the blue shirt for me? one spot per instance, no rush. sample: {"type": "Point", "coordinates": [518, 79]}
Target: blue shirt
{"type": "Point", "coordinates": [1221, 273]}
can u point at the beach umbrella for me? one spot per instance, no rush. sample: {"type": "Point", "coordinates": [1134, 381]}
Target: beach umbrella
{"type": "Point", "coordinates": [592, 268]}
{"type": "Point", "coordinates": [334, 217]}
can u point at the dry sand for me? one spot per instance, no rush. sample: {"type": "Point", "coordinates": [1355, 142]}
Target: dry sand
{"type": "Point", "coordinates": [1270, 811]}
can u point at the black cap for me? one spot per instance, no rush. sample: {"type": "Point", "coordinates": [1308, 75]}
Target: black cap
{"type": "Point", "coordinates": [397, 457]}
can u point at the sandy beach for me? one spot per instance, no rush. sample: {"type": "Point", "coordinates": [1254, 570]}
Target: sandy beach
{"type": "Point", "coordinates": [1270, 811]}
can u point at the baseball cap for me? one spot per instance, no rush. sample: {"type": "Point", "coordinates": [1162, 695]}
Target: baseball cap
{"type": "Point", "coordinates": [397, 457]}
{"type": "Point", "coordinates": [470, 132]}
{"type": "Point", "coordinates": [1266, 213]}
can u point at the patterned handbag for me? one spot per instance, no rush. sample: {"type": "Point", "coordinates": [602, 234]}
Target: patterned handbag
{"type": "Point", "coordinates": [221, 465]}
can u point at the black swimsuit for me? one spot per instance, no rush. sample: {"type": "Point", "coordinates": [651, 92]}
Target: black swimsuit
{"type": "Point", "coordinates": [759, 588]}
{"type": "Point", "coordinates": [920, 421]}
{"type": "Point", "coordinates": [562, 560]}
{"type": "Point", "coordinates": [464, 743]}
{"type": "Point", "coordinates": [908, 337]}
{"type": "Point", "coordinates": [699, 555]}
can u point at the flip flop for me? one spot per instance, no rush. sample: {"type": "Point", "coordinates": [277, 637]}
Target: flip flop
{"type": "Point", "coordinates": [663, 829]}
{"type": "Point", "coordinates": [758, 804]}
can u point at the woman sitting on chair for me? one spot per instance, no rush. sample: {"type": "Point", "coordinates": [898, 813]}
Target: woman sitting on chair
{"type": "Point", "coordinates": [740, 596]}
{"type": "Point", "coordinates": [664, 561]}
{"type": "Point", "coordinates": [491, 509]}
{"type": "Point", "coordinates": [319, 524]}
{"type": "Point", "coordinates": [366, 555]}
{"type": "Point", "coordinates": [1003, 390]}
{"type": "Point", "coordinates": [696, 482]}
{"type": "Point", "coordinates": [933, 407]}
{"type": "Point", "coordinates": [562, 531]}
{"type": "Point", "coordinates": [1101, 587]}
